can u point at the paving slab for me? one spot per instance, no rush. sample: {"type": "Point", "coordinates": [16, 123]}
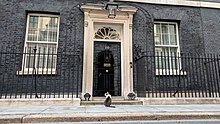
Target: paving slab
{"type": "Point", "coordinates": [63, 110]}
{"type": "Point", "coordinates": [22, 110]}
{"type": "Point", "coordinates": [38, 114]}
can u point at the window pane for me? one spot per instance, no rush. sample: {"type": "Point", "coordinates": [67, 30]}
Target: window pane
{"type": "Point", "coordinates": [53, 30]}
{"type": "Point", "coordinates": [173, 40]}
{"type": "Point", "coordinates": [42, 35]}
{"type": "Point", "coordinates": [157, 39]}
{"type": "Point", "coordinates": [42, 48]}
{"type": "Point", "coordinates": [47, 61]}
{"type": "Point", "coordinates": [33, 22]}
{"type": "Point", "coordinates": [165, 38]}
{"type": "Point", "coordinates": [53, 24]}
{"type": "Point", "coordinates": [52, 36]}
{"type": "Point", "coordinates": [30, 47]}
{"type": "Point", "coordinates": [158, 57]}
{"type": "Point", "coordinates": [173, 50]}
{"type": "Point", "coordinates": [162, 62]}
{"type": "Point", "coordinates": [162, 58]}
{"type": "Point", "coordinates": [32, 35]}
{"type": "Point", "coordinates": [30, 56]}
{"type": "Point", "coordinates": [41, 61]}
{"type": "Point", "coordinates": [29, 61]}
{"type": "Point", "coordinates": [158, 62]}
{"type": "Point", "coordinates": [158, 50]}
{"type": "Point", "coordinates": [32, 31]}
{"type": "Point", "coordinates": [157, 34]}
{"type": "Point", "coordinates": [45, 31]}
{"type": "Point", "coordinates": [52, 49]}
{"type": "Point", "coordinates": [172, 29]}
{"type": "Point", "coordinates": [164, 28]}
{"type": "Point", "coordinates": [45, 48]}
{"type": "Point", "coordinates": [157, 28]}
{"type": "Point", "coordinates": [43, 28]}
{"type": "Point", "coordinates": [175, 58]}
{"type": "Point", "coordinates": [51, 61]}
{"type": "Point", "coordinates": [166, 58]}
{"type": "Point", "coordinates": [45, 55]}
{"type": "Point", "coordinates": [162, 50]}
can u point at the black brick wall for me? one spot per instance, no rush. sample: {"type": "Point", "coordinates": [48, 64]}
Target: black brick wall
{"type": "Point", "coordinates": [199, 28]}
{"type": "Point", "coordinates": [211, 30]}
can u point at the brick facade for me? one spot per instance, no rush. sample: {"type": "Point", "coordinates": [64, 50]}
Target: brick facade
{"type": "Point", "coordinates": [199, 28]}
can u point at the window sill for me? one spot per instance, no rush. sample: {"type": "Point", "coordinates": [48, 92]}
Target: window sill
{"type": "Point", "coordinates": [38, 72]}
{"type": "Point", "coordinates": [164, 72]}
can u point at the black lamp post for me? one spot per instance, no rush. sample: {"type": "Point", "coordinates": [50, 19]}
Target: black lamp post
{"type": "Point", "coordinates": [112, 8]}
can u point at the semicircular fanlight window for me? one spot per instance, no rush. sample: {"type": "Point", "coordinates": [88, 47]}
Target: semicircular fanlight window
{"type": "Point", "coordinates": [107, 33]}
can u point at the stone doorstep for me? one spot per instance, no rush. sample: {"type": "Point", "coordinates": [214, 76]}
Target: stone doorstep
{"type": "Point", "coordinates": [114, 98]}
{"type": "Point", "coordinates": [125, 102]}
{"type": "Point", "coordinates": [39, 118]}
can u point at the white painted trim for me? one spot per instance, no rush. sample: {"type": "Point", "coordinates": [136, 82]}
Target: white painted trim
{"type": "Point", "coordinates": [39, 71]}
{"type": "Point", "coordinates": [167, 72]}
{"type": "Point", "coordinates": [177, 35]}
{"type": "Point", "coordinates": [94, 14]}
{"type": "Point", "coordinates": [108, 22]}
{"type": "Point", "coordinates": [107, 40]}
{"type": "Point", "coordinates": [24, 69]}
{"type": "Point", "coordinates": [179, 3]}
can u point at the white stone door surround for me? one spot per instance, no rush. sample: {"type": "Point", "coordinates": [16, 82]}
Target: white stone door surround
{"type": "Point", "coordinates": [96, 16]}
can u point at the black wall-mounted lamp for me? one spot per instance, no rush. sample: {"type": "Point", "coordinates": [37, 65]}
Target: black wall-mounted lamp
{"type": "Point", "coordinates": [112, 8]}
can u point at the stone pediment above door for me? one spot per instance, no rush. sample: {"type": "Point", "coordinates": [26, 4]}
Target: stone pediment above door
{"type": "Point", "coordinates": [99, 10]}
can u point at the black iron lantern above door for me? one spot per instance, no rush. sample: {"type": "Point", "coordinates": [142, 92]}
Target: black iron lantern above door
{"type": "Point", "coordinates": [112, 8]}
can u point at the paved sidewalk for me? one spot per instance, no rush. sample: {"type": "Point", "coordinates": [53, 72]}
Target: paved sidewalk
{"type": "Point", "coordinates": [37, 114]}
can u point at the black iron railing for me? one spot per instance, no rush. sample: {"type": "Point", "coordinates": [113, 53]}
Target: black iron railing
{"type": "Point", "coordinates": [178, 75]}
{"type": "Point", "coordinates": [37, 73]}
{"type": "Point", "coordinates": [42, 74]}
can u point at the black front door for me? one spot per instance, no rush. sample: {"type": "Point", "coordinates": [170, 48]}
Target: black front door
{"type": "Point", "coordinates": [107, 71]}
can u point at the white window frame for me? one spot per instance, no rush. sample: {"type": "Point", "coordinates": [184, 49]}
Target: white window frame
{"type": "Point", "coordinates": [177, 46]}
{"type": "Point", "coordinates": [40, 71]}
